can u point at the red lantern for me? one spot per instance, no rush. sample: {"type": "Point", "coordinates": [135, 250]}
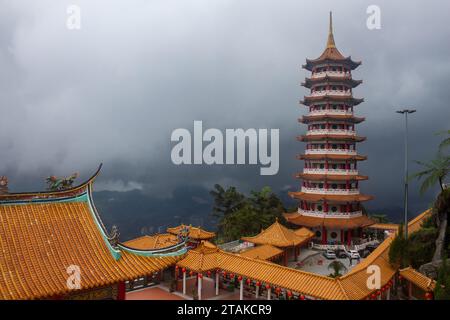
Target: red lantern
{"type": "Point", "coordinates": [378, 292]}
{"type": "Point", "coordinates": [177, 267]}
{"type": "Point", "coordinates": [248, 281]}
{"type": "Point", "coordinates": [224, 273]}
{"type": "Point", "coordinates": [258, 284]}
{"type": "Point", "coordinates": [200, 275]}
{"type": "Point", "coordinates": [289, 293]}
{"type": "Point", "coordinates": [191, 273]}
{"type": "Point", "coordinates": [183, 270]}
{"type": "Point", "coordinates": [277, 290]}
{"type": "Point", "coordinates": [302, 297]}
{"type": "Point", "coordinates": [400, 277]}
{"type": "Point", "coordinates": [428, 296]}
{"type": "Point", "coordinates": [267, 286]}
{"type": "Point", "coordinates": [209, 273]}
{"type": "Point", "coordinates": [231, 275]}
{"type": "Point", "coordinates": [373, 296]}
{"type": "Point", "coordinates": [240, 278]}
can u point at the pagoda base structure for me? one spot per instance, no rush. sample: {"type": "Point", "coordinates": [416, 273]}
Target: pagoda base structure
{"type": "Point", "coordinates": [332, 230]}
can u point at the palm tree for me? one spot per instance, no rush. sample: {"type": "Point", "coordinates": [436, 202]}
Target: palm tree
{"type": "Point", "coordinates": [446, 141]}
{"type": "Point", "coordinates": [337, 267]}
{"type": "Point", "coordinates": [435, 171]}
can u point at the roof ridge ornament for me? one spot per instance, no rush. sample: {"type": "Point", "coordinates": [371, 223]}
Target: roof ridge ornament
{"type": "Point", "coordinates": [330, 42]}
{"type": "Point", "coordinates": [3, 184]}
{"type": "Point", "coordinates": [113, 238]}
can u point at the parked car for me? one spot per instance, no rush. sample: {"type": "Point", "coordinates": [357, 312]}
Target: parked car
{"type": "Point", "coordinates": [329, 254]}
{"type": "Point", "coordinates": [353, 254]}
{"type": "Point", "coordinates": [341, 254]}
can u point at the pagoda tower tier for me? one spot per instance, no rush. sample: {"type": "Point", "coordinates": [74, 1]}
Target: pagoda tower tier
{"type": "Point", "coordinates": [329, 198]}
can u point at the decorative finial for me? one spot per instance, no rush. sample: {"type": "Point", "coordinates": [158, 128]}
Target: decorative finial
{"type": "Point", "coordinates": [3, 185]}
{"type": "Point", "coordinates": [330, 43]}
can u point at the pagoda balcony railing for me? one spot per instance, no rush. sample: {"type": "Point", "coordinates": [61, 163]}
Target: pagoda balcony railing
{"type": "Point", "coordinates": [330, 112]}
{"type": "Point", "coordinates": [330, 171]}
{"type": "Point", "coordinates": [330, 191]}
{"type": "Point", "coordinates": [329, 214]}
{"type": "Point", "coordinates": [330, 151]}
{"type": "Point", "coordinates": [330, 73]}
{"type": "Point", "coordinates": [330, 131]}
{"type": "Point", "coordinates": [331, 93]}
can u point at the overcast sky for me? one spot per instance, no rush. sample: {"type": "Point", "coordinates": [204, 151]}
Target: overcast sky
{"type": "Point", "coordinates": [114, 90]}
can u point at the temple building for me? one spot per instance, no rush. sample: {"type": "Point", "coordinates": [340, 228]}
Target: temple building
{"type": "Point", "coordinates": [55, 246]}
{"type": "Point", "coordinates": [329, 199]}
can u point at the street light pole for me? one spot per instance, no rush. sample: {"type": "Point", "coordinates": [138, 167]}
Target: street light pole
{"type": "Point", "coordinates": [405, 112]}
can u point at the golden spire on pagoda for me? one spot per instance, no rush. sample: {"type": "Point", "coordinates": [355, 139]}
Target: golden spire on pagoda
{"type": "Point", "coordinates": [330, 43]}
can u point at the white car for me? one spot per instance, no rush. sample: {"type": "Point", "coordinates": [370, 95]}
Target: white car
{"type": "Point", "coordinates": [329, 254]}
{"type": "Point", "coordinates": [353, 254]}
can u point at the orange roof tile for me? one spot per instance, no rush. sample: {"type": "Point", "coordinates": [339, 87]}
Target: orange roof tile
{"type": "Point", "coordinates": [330, 177]}
{"type": "Point", "coordinates": [308, 221]}
{"type": "Point", "coordinates": [278, 235]}
{"type": "Point", "coordinates": [156, 241]}
{"type": "Point", "coordinates": [194, 232]}
{"type": "Point", "coordinates": [40, 241]}
{"type": "Point", "coordinates": [331, 157]}
{"type": "Point", "coordinates": [263, 252]}
{"type": "Point", "coordinates": [330, 197]}
{"type": "Point", "coordinates": [340, 137]}
{"type": "Point", "coordinates": [419, 279]}
{"type": "Point", "coordinates": [42, 234]}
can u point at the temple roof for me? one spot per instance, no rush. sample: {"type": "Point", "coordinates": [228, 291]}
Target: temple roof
{"type": "Point", "coordinates": [330, 177]}
{"type": "Point", "coordinates": [330, 197]}
{"type": "Point", "coordinates": [331, 53]}
{"type": "Point", "coordinates": [351, 286]}
{"type": "Point", "coordinates": [331, 157]}
{"type": "Point", "coordinates": [156, 241]}
{"type": "Point", "coordinates": [279, 236]}
{"type": "Point", "coordinates": [308, 221]}
{"type": "Point", "coordinates": [195, 233]}
{"type": "Point", "coordinates": [346, 118]}
{"type": "Point", "coordinates": [44, 233]}
{"type": "Point", "coordinates": [263, 252]}
{"type": "Point", "coordinates": [349, 99]}
{"type": "Point", "coordinates": [335, 137]}
{"type": "Point", "coordinates": [419, 279]}
{"type": "Point", "coordinates": [327, 79]}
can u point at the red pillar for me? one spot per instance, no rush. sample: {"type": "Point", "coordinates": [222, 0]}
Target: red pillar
{"type": "Point", "coordinates": [342, 236]}
{"type": "Point", "coordinates": [349, 237]}
{"type": "Point", "coordinates": [324, 235]}
{"type": "Point", "coordinates": [121, 291]}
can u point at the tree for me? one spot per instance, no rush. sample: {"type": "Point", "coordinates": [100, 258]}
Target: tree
{"type": "Point", "coordinates": [380, 218]}
{"type": "Point", "coordinates": [435, 171]}
{"type": "Point", "coordinates": [442, 289]}
{"type": "Point", "coordinates": [398, 250]}
{"type": "Point", "coordinates": [226, 201]}
{"type": "Point", "coordinates": [446, 142]}
{"type": "Point", "coordinates": [245, 216]}
{"type": "Point", "coordinates": [337, 267]}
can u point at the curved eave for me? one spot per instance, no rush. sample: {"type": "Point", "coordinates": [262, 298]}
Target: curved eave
{"type": "Point", "coordinates": [331, 79]}
{"type": "Point", "coordinates": [330, 197]}
{"type": "Point", "coordinates": [330, 177]}
{"type": "Point", "coordinates": [310, 63]}
{"type": "Point", "coordinates": [335, 137]}
{"type": "Point", "coordinates": [50, 195]}
{"type": "Point", "coordinates": [308, 100]}
{"type": "Point", "coordinates": [331, 157]}
{"type": "Point", "coordinates": [325, 117]}
{"type": "Point", "coordinates": [311, 222]}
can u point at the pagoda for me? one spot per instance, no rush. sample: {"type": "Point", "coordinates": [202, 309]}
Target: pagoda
{"type": "Point", "coordinates": [329, 199]}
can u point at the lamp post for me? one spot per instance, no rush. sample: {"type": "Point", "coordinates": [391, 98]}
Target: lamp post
{"type": "Point", "coordinates": [406, 112]}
